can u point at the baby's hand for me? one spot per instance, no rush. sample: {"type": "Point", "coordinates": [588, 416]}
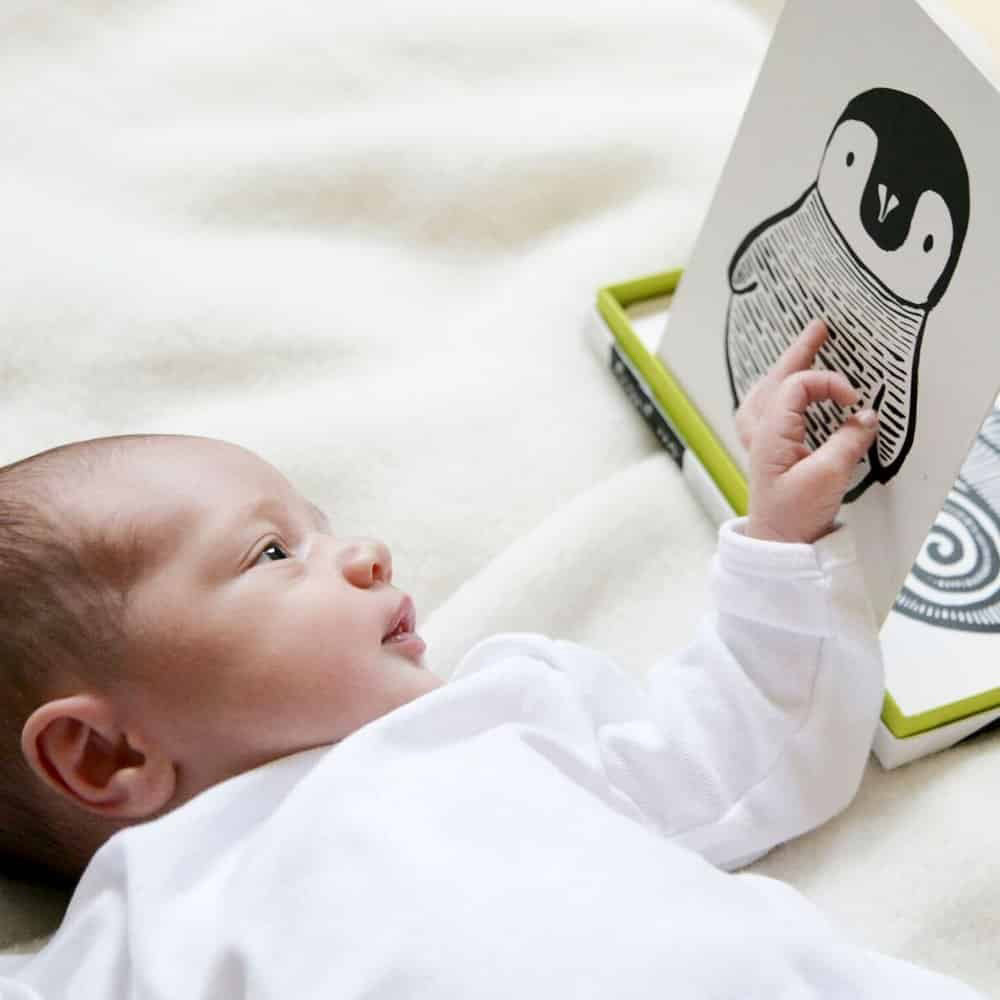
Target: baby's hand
{"type": "Point", "coordinates": [795, 494]}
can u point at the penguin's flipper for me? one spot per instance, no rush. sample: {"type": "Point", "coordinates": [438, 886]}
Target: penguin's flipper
{"type": "Point", "coordinates": [742, 267]}
{"type": "Point", "coordinates": [895, 407]}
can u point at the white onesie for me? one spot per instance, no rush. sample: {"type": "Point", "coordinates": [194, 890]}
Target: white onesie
{"type": "Point", "coordinates": [541, 827]}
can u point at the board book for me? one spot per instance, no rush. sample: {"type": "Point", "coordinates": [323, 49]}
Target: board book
{"type": "Point", "coordinates": [859, 189]}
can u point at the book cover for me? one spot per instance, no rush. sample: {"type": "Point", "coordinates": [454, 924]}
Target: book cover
{"type": "Point", "coordinates": [859, 188]}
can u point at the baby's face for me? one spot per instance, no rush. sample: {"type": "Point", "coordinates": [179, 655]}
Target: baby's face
{"type": "Point", "coordinates": [254, 630]}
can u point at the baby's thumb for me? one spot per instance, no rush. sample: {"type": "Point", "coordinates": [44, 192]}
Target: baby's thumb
{"type": "Point", "coordinates": [844, 449]}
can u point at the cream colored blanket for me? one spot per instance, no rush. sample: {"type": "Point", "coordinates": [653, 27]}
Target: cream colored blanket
{"type": "Point", "coordinates": [362, 240]}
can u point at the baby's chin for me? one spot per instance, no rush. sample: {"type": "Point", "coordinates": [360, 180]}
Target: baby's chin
{"type": "Point", "coordinates": [409, 646]}
{"type": "Point", "coordinates": [414, 677]}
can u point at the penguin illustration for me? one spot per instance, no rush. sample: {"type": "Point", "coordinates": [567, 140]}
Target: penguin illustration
{"type": "Point", "coordinates": [870, 248]}
{"type": "Point", "coordinates": [955, 581]}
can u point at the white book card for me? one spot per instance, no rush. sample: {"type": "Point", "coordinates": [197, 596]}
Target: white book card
{"type": "Point", "coordinates": [863, 187]}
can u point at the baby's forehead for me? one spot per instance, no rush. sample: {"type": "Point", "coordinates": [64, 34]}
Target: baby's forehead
{"type": "Point", "coordinates": [181, 467]}
{"type": "Point", "coordinates": [151, 496]}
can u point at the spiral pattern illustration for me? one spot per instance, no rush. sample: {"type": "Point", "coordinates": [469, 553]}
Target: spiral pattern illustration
{"type": "Point", "coordinates": [955, 581]}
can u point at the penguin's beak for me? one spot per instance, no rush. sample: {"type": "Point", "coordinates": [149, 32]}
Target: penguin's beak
{"type": "Point", "coordinates": [886, 202]}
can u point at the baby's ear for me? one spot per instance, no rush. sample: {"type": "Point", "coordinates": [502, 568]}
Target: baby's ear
{"type": "Point", "coordinates": [75, 746]}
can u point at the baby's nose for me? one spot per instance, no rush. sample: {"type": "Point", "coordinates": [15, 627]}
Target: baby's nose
{"type": "Point", "coordinates": [365, 562]}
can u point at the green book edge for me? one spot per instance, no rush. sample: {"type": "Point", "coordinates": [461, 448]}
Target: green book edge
{"type": "Point", "coordinates": [612, 302]}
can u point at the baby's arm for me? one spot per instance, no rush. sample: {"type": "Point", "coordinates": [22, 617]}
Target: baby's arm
{"type": "Point", "coordinates": [760, 729]}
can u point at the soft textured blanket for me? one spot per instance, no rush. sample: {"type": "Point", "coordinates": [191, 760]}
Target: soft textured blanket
{"type": "Point", "coordinates": [362, 241]}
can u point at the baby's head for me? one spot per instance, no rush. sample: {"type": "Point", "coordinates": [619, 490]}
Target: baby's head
{"type": "Point", "coordinates": [173, 613]}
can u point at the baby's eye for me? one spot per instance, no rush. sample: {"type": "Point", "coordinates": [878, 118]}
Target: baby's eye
{"type": "Point", "coordinates": [272, 548]}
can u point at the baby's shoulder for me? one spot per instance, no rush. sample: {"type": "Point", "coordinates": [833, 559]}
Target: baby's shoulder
{"type": "Point", "coordinates": [529, 647]}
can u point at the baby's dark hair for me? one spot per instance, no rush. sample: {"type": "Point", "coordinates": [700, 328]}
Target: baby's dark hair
{"type": "Point", "coordinates": [63, 591]}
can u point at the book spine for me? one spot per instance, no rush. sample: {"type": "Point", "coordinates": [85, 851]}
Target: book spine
{"type": "Point", "coordinates": [638, 391]}
{"type": "Point", "coordinates": [639, 395]}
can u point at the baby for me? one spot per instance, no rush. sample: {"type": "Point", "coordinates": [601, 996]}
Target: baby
{"type": "Point", "coordinates": [217, 710]}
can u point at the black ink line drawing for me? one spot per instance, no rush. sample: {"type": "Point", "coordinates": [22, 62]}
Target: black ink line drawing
{"type": "Point", "coordinates": [954, 582]}
{"type": "Point", "coordinates": [870, 247]}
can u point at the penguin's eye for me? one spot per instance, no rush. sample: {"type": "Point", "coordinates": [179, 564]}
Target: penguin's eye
{"type": "Point", "coordinates": [850, 159]}
{"type": "Point", "coordinates": [928, 243]}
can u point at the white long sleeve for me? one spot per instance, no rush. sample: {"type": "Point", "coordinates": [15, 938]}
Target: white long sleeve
{"type": "Point", "coordinates": [761, 728]}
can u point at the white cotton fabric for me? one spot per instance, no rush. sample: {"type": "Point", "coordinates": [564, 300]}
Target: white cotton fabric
{"type": "Point", "coordinates": [538, 827]}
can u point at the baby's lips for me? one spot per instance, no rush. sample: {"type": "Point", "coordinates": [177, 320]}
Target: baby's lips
{"type": "Point", "coordinates": [404, 620]}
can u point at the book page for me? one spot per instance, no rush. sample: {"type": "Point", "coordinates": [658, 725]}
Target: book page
{"type": "Point", "coordinates": [940, 640]}
{"type": "Point", "coordinates": [861, 188]}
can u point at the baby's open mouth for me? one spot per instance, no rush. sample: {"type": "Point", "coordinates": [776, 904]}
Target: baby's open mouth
{"type": "Point", "coordinates": [401, 626]}
{"type": "Point", "coordinates": [400, 635]}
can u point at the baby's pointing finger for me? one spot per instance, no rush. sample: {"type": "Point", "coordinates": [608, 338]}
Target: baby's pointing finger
{"type": "Point", "coordinates": [800, 354]}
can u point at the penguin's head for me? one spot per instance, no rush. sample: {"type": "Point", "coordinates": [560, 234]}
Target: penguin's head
{"type": "Point", "coordinates": [895, 184]}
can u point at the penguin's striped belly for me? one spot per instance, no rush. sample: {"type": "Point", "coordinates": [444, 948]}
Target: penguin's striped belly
{"type": "Point", "coordinates": [803, 269]}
